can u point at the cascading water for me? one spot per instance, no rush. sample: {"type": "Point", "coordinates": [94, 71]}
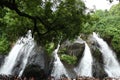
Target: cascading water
{"type": "Point", "coordinates": [24, 44]}
{"type": "Point", "coordinates": [58, 67]}
{"type": "Point", "coordinates": [111, 64]}
{"type": "Point", "coordinates": [28, 47]}
{"type": "Point", "coordinates": [10, 60]}
{"type": "Point", "coordinates": [85, 66]}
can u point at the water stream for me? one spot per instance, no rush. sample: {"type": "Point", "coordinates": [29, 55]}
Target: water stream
{"type": "Point", "coordinates": [27, 49]}
{"type": "Point", "coordinates": [111, 64]}
{"type": "Point", "coordinates": [85, 66]}
{"type": "Point", "coordinates": [23, 47]}
{"type": "Point", "coordinates": [58, 68]}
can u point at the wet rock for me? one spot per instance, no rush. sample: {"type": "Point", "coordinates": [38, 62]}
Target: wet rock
{"type": "Point", "coordinates": [73, 48]}
{"type": "Point", "coordinates": [2, 57]}
{"type": "Point", "coordinates": [37, 57]}
{"type": "Point", "coordinates": [98, 70]}
{"type": "Point", "coordinates": [34, 71]}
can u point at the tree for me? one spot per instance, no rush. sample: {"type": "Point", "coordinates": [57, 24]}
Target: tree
{"type": "Point", "coordinates": [48, 19]}
{"type": "Point", "coordinates": [115, 10]}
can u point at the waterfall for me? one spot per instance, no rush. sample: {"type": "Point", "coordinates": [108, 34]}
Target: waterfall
{"type": "Point", "coordinates": [26, 51]}
{"type": "Point", "coordinates": [58, 68]}
{"type": "Point", "coordinates": [23, 48]}
{"type": "Point", "coordinates": [85, 66]}
{"type": "Point", "coordinates": [10, 60]}
{"type": "Point", "coordinates": [111, 64]}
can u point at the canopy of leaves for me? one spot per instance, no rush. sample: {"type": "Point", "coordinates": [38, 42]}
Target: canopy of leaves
{"type": "Point", "coordinates": [48, 19]}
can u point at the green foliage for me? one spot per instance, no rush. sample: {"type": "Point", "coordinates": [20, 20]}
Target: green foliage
{"type": "Point", "coordinates": [109, 29]}
{"type": "Point", "coordinates": [62, 51]}
{"type": "Point", "coordinates": [13, 25]}
{"type": "Point", "coordinates": [4, 45]}
{"type": "Point", "coordinates": [107, 24]}
{"type": "Point", "coordinates": [53, 19]}
{"type": "Point", "coordinates": [49, 48]}
{"type": "Point", "coordinates": [68, 59]}
{"type": "Point", "coordinates": [95, 21]}
{"type": "Point", "coordinates": [115, 10]}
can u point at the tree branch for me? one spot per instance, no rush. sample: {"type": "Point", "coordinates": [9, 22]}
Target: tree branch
{"type": "Point", "coordinates": [14, 7]}
{"type": "Point", "coordinates": [11, 5]}
{"type": "Point", "coordinates": [36, 28]}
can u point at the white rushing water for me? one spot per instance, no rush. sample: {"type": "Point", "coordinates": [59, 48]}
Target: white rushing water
{"type": "Point", "coordinates": [10, 60]}
{"type": "Point", "coordinates": [111, 64]}
{"type": "Point", "coordinates": [85, 66]}
{"type": "Point", "coordinates": [58, 67]}
{"type": "Point", "coordinates": [25, 43]}
{"type": "Point", "coordinates": [79, 40]}
{"type": "Point", "coordinates": [28, 47]}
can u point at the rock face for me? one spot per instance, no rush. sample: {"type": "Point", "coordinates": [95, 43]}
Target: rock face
{"type": "Point", "coordinates": [2, 59]}
{"type": "Point", "coordinates": [37, 59]}
{"type": "Point", "coordinates": [37, 63]}
{"type": "Point", "coordinates": [34, 71]}
{"type": "Point", "coordinates": [98, 70]}
{"type": "Point", "coordinates": [73, 49]}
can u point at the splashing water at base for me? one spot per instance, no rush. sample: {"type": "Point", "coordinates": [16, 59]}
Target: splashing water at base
{"type": "Point", "coordinates": [85, 66]}
{"type": "Point", "coordinates": [58, 68]}
{"type": "Point", "coordinates": [24, 43]}
{"type": "Point", "coordinates": [111, 64]}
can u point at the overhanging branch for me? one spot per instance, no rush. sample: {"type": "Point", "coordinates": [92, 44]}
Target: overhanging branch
{"type": "Point", "coordinates": [13, 6]}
